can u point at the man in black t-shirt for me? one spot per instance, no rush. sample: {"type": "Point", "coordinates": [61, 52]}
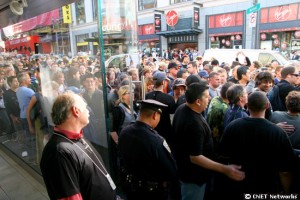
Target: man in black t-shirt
{"type": "Point", "coordinates": [261, 148]}
{"type": "Point", "coordinates": [164, 126]}
{"type": "Point", "coordinates": [71, 167]}
{"type": "Point", "coordinates": [193, 146]}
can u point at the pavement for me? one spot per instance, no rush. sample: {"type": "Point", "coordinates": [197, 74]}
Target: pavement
{"type": "Point", "coordinates": [18, 181]}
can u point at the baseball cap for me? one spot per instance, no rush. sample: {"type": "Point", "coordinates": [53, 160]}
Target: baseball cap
{"type": "Point", "coordinates": [178, 82]}
{"type": "Point", "coordinates": [172, 65]}
{"type": "Point", "coordinates": [159, 76]}
{"type": "Point", "coordinates": [203, 74]}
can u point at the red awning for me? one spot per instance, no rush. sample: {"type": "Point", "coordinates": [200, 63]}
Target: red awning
{"type": "Point", "coordinates": [32, 23]}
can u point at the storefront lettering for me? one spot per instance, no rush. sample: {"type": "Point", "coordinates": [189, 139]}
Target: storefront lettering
{"type": "Point", "coordinates": [225, 20]}
{"type": "Point", "coordinates": [115, 27]}
{"type": "Point", "coordinates": [149, 29]}
{"type": "Point", "coordinates": [17, 41]}
{"type": "Point", "coordinates": [282, 13]}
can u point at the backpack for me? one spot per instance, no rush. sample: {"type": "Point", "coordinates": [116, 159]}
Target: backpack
{"type": "Point", "coordinates": [275, 100]}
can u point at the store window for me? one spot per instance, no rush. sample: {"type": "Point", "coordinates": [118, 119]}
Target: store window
{"type": "Point", "coordinates": [82, 45]}
{"type": "Point", "coordinates": [95, 10]}
{"type": "Point", "coordinates": [146, 4]}
{"type": "Point", "coordinates": [80, 13]}
{"type": "Point", "coordinates": [178, 1]}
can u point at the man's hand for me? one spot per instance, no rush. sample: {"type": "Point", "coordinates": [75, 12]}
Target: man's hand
{"type": "Point", "coordinates": [234, 172]}
{"type": "Point", "coordinates": [288, 128]}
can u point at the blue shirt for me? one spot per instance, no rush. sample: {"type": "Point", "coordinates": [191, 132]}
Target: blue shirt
{"type": "Point", "coordinates": [24, 95]}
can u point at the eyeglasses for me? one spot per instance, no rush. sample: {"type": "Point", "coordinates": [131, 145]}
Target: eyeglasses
{"type": "Point", "coordinates": [295, 75]}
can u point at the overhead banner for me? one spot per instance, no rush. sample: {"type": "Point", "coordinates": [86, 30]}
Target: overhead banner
{"type": "Point", "coordinates": [67, 16]}
{"type": "Point", "coordinates": [157, 22]}
{"type": "Point", "coordinates": [196, 17]}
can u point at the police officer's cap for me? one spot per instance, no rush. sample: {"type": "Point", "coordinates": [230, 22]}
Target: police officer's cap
{"type": "Point", "coordinates": [152, 104]}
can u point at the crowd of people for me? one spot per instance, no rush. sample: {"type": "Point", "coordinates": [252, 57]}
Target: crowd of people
{"type": "Point", "coordinates": [192, 129]}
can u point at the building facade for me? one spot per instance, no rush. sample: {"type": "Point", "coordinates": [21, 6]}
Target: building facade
{"type": "Point", "coordinates": [218, 24]}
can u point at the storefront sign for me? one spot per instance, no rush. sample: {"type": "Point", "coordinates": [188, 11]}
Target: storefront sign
{"type": "Point", "coordinates": [116, 26]}
{"type": "Point", "coordinates": [66, 10]}
{"type": "Point", "coordinates": [147, 29]}
{"type": "Point", "coordinates": [280, 13]}
{"type": "Point", "coordinates": [196, 17]}
{"type": "Point", "coordinates": [172, 18]}
{"type": "Point", "coordinates": [226, 20]}
{"type": "Point", "coordinates": [157, 22]}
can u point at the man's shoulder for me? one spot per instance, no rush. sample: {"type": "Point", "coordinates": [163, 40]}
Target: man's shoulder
{"type": "Point", "coordinates": [23, 89]}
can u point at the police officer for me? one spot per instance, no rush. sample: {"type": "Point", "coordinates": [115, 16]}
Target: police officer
{"type": "Point", "coordinates": [148, 163]}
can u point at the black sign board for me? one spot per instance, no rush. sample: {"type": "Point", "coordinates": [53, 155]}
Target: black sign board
{"type": "Point", "coordinates": [196, 17]}
{"type": "Point", "coordinates": [157, 22]}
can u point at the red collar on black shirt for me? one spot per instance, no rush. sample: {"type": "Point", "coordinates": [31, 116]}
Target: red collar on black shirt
{"type": "Point", "coordinates": [69, 134]}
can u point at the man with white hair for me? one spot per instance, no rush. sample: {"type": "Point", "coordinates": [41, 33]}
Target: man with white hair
{"type": "Point", "coordinates": [71, 167]}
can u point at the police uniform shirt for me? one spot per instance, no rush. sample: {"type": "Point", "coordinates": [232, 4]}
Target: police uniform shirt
{"type": "Point", "coordinates": [146, 155]}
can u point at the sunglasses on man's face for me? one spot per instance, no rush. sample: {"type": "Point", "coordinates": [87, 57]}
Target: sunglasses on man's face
{"type": "Point", "coordinates": [295, 75]}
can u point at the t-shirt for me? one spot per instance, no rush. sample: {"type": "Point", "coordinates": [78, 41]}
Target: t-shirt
{"type": "Point", "coordinates": [282, 116]}
{"type": "Point", "coordinates": [24, 95]}
{"type": "Point", "coordinates": [68, 171]}
{"type": "Point", "coordinates": [192, 138]}
{"type": "Point", "coordinates": [262, 149]}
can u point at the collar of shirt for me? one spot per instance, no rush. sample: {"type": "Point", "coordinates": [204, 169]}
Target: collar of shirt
{"type": "Point", "coordinates": [69, 134]}
{"type": "Point", "coordinates": [144, 124]}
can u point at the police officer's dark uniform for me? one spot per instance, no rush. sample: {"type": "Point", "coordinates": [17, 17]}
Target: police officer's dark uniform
{"type": "Point", "coordinates": [149, 165]}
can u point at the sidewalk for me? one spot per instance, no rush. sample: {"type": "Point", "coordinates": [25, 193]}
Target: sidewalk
{"type": "Point", "coordinates": [16, 183]}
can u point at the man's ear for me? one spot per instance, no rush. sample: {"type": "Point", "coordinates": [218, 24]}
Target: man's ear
{"type": "Point", "coordinates": [75, 111]}
{"type": "Point", "coordinates": [155, 115]}
{"type": "Point", "coordinates": [267, 105]}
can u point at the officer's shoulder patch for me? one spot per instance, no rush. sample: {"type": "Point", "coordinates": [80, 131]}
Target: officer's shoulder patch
{"type": "Point", "coordinates": [166, 146]}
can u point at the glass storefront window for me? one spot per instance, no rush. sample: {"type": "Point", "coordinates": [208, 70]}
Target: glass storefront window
{"type": "Point", "coordinates": [80, 13]}
{"type": "Point", "coordinates": [146, 4]}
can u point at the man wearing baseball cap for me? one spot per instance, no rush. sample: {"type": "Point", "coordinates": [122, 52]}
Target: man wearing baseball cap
{"type": "Point", "coordinates": [173, 69]}
{"type": "Point", "coordinates": [164, 126]}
